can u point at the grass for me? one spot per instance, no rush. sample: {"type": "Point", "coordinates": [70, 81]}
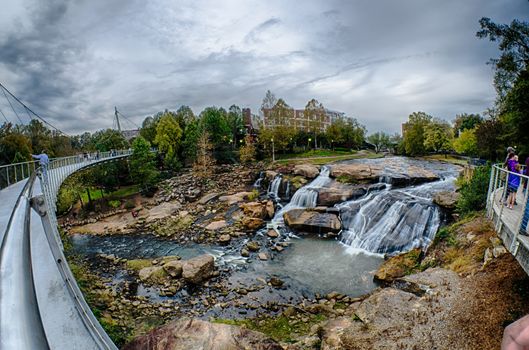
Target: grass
{"type": "Point", "coordinates": [126, 191]}
{"type": "Point", "coordinates": [322, 160]}
{"type": "Point", "coordinates": [446, 158]}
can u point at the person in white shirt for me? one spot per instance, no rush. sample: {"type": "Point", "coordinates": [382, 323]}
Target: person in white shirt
{"type": "Point", "coordinates": [43, 162]}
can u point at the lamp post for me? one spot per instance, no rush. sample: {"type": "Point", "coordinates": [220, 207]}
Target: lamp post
{"type": "Point", "coordinates": [308, 143]}
{"type": "Point", "coordinates": [273, 151]}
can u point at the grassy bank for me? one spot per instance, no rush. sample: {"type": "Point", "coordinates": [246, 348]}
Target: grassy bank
{"type": "Point", "coordinates": [321, 160]}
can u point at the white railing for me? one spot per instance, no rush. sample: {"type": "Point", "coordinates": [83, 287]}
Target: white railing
{"type": "Point", "coordinates": [517, 218]}
{"type": "Point", "coordinates": [13, 173]}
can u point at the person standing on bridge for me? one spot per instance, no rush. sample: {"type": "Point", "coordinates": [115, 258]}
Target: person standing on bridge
{"type": "Point", "coordinates": [43, 162]}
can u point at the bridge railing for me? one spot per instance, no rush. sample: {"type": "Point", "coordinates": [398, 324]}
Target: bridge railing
{"type": "Point", "coordinates": [13, 173]}
{"type": "Point", "coordinates": [517, 218]}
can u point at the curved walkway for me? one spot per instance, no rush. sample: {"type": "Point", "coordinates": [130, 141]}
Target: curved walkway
{"type": "Point", "coordinates": [41, 306]}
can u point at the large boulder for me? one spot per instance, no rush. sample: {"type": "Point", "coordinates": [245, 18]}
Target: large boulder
{"type": "Point", "coordinates": [252, 223]}
{"type": "Point", "coordinates": [254, 209]}
{"type": "Point", "coordinates": [235, 198]}
{"type": "Point", "coordinates": [153, 275]}
{"type": "Point", "coordinates": [309, 171]}
{"type": "Point", "coordinates": [174, 268]}
{"type": "Point", "coordinates": [193, 334]}
{"type": "Point", "coordinates": [198, 269]}
{"type": "Point", "coordinates": [446, 199]}
{"type": "Point", "coordinates": [356, 173]}
{"type": "Point", "coordinates": [337, 192]}
{"type": "Point", "coordinates": [307, 220]}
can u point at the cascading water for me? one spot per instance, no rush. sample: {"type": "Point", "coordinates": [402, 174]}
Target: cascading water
{"type": "Point", "coordinates": [392, 221]}
{"type": "Point", "coordinates": [305, 197]}
{"type": "Point", "coordinates": [257, 183]}
{"type": "Point", "coordinates": [273, 189]}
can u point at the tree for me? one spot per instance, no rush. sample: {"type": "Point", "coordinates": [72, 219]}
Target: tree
{"type": "Point", "coordinates": [514, 46]}
{"type": "Point", "coordinates": [488, 136]}
{"type": "Point", "coordinates": [106, 140]}
{"type": "Point", "coordinates": [148, 128]}
{"type": "Point", "coordinates": [335, 132]}
{"type": "Point", "coordinates": [142, 167]}
{"type": "Point", "coordinates": [280, 115]}
{"type": "Point", "coordinates": [438, 136]}
{"type": "Point", "coordinates": [269, 101]}
{"type": "Point", "coordinates": [466, 121]}
{"type": "Point", "coordinates": [414, 131]}
{"type": "Point", "coordinates": [185, 113]}
{"type": "Point", "coordinates": [204, 163]}
{"type": "Point", "coordinates": [515, 114]}
{"type": "Point", "coordinates": [168, 137]}
{"type": "Point", "coordinates": [191, 136]}
{"type": "Point", "coordinates": [467, 142]}
{"type": "Point", "coordinates": [379, 140]}
{"type": "Point", "coordinates": [15, 147]}
{"type": "Point", "coordinates": [40, 136]}
{"type": "Point", "coordinates": [235, 124]}
{"type": "Point", "coordinates": [248, 150]}
{"type": "Point", "coordinates": [315, 114]}
{"type": "Point", "coordinates": [213, 121]}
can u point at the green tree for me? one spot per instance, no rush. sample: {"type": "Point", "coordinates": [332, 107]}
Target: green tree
{"type": "Point", "coordinates": [185, 113]}
{"type": "Point", "coordinates": [438, 136]}
{"type": "Point", "coordinates": [515, 114]}
{"type": "Point", "coordinates": [488, 136]}
{"type": "Point", "coordinates": [474, 192]}
{"type": "Point", "coordinates": [148, 128]}
{"type": "Point", "coordinates": [40, 136]}
{"type": "Point", "coordinates": [414, 132]}
{"type": "Point", "coordinates": [142, 168]}
{"type": "Point", "coordinates": [315, 114]}
{"type": "Point", "coordinates": [167, 139]}
{"type": "Point", "coordinates": [15, 147]}
{"type": "Point", "coordinates": [514, 46]}
{"type": "Point", "coordinates": [335, 132]}
{"type": "Point", "coordinates": [106, 140]}
{"type": "Point", "coordinates": [191, 136]}
{"type": "Point", "coordinates": [213, 121]}
{"type": "Point", "coordinates": [235, 124]}
{"type": "Point", "coordinates": [379, 140]}
{"type": "Point", "coordinates": [466, 143]}
{"type": "Point", "coordinates": [466, 121]}
{"type": "Point", "coordinates": [354, 133]}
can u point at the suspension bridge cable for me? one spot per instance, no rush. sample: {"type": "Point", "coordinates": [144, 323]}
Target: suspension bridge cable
{"type": "Point", "coordinates": [136, 125]}
{"type": "Point", "coordinates": [30, 110]}
{"type": "Point", "coordinates": [7, 121]}
{"type": "Point", "coordinates": [3, 90]}
{"type": "Point", "coordinates": [29, 115]}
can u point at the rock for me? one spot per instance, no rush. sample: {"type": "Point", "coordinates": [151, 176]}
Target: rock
{"type": "Point", "coordinates": [194, 334]}
{"type": "Point", "coordinates": [174, 268]}
{"type": "Point", "coordinates": [208, 197]}
{"type": "Point", "coordinates": [253, 246]}
{"type": "Point", "coordinates": [356, 172]}
{"type": "Point", "coordinates": [270, 175]}
{"type": "Point", "coordinates": [252, 223]}
{"type": "Point", "coordinates": [216, 225]}
{"type": "Point", "coordinates": [446, 199]}
{"type": "Point", "coordinates": [245, 253]}
{"type": "Point", "coordinates": [397, 266]}
{"type": "Point", "coordinates": [270, 209]}
{"type": "Point", "coordinates": [198, 269]}
{"type": "Point", "coordinates": [235, 198]}
{"type": "Point", "coordinates": [272, 234]}
{"type": "Point", "coordinates": [337, 192]}
{"type": "Point", "coordinates": [224, 239]}
{"type": "Point", "coordinates": [192, 194]}
{"type": "Point", "coordinates": [276, 281]}
{"type": "Point", "coordinates": [153, 274]}
{"type": "Point", "coordinates": [263, 256]}
{"type": "Point", "coordinates": [306, 170]}
{"type": "Point", "coordinates": [254, 210]}
{"type": "Point", "coordinates": [306, 220]}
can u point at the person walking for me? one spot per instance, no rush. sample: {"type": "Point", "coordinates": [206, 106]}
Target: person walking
{"type": "Point", "coordinates": [512, 185]}
{"type": "Point", "coordinates": [43, 162]}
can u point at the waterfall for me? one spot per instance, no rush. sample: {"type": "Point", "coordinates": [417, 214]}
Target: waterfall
{"type": "Point", "coordinates": [305, 197]}
{"type": "Point", "coordinates": [273, 189]}
{"type": "Point", "coordinates": [257, 183]}
{"type": "Point", "coordinates": [391, 221]}
{"type": "Point", "coordinates": [287, 191]}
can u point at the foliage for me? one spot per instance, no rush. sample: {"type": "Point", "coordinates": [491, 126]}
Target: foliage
{"type": "Point", "coordinates": [248, 150]}
{"type": "Point", "coordinates": [474, 192]}
{"type": "Point", "coordinates": [191, 135]}
{"type": "Point", "coordinates": [13, 143]}
{"type": "Point", "coordinates": [213, 121]}
{"type": "Point", "coordinates": [148, 128]}
{"type": "Point", "coordinates": [515, 114]}
{"type": "Point", "coordinates": [107, 140]}
{"type": "Point", "coordinates": [269, 101]}
{"type": "Point", "coordinates": [466, 121]}
{"type": "Point", "coordinates": [204, 163]}
{"type": "Point", "coordinates": [235, 124]}
{"type": "Point", "coordinates": [315, 114]}
{"type": "Point", "coordinates": [514, 46]}
{"type": "Point", "coordinates": [168, 138]}
{"type": "Point", "coordinates": [379, 140]}
{"type": "Point", "coordinates": [488, 136]}
{"type": "Point", "coordinates": [438, 136]}
{"type": "Point", "coordinates": [346, 132]}
{"type": "Point", "coordinates": [414, 131]}
{"type": "Point", "coordinates": [466, 143]}
{"type": "Point", "coordinates": [142, 169]}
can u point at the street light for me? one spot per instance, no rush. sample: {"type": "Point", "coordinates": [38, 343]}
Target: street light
{"type": "Point", "coordinates": [273, 151]}
{"type": "Point", "coordinates": [308, 143]}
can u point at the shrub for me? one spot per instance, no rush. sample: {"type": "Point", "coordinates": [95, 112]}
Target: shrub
{"type": "Point", "coordinates": [130, 204]}
{"type": "Point", "coordinates": [254, 195]}
{"type": "Point", "coordinates": [474, 192]}
{"type": "Point", "coordinates": [114, 204]}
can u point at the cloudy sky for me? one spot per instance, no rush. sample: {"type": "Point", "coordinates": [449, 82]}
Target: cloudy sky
{"type": "Point", "coordinates": [377, 61]}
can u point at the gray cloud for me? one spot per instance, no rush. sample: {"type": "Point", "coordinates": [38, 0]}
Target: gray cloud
{"type": "Point", "coordinates": [377, 61]}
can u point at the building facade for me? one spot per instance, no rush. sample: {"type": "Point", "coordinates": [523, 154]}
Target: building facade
{"type": "Point", "coordinates": [297, 119]}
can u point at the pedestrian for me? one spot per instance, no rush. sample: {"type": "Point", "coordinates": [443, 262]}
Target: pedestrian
{"type": "Point", "coordinates": [510, 153]}
{"type": "Point", "coordinates": [43, 162]}
{"type": "Point", "coordinates": [512, 185]}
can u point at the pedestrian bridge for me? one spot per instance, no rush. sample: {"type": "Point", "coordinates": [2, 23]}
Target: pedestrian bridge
{"type": "Point", "coordinates": [510, 224]}
{"type": "Point", "coordinates": [41, 306]}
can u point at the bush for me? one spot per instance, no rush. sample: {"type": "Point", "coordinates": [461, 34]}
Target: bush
{"type": "Point", "coordinates": [474, 192]}
{"type": "Point", "coordinates": [130, 204]}
{"type": "Point", "coordinates": [114, 204]}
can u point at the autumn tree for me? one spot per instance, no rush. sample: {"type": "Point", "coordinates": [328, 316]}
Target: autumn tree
{"type": "Point", "coordinates": [248, 150]}
{"type": "Point", "coordinates": [204, 162]}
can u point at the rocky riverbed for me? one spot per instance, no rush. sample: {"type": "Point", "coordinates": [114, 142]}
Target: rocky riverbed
{"type": "Point", "coordinates": [201, 248]}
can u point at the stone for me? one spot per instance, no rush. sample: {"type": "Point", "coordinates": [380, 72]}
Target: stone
{"type": "Point", "coordinates": [446, 199]}
{"type": "Point", "coordinates": [252, 223]}
{"type": "Point", "coordinates": [245, 253]}
{"type": "Point", "coordinates": [270, 175]}
{"type": "Point", "coordinates": [173, 268]}
{"type": "Point", "coordinates": [397, 266]}
{"type": "Point", "coordinates": [270, 209]}
{"type": "Point", "coordinates": [235, 198]}
{"type": "Point", "coordinates": [208, 197]}
{"type": "Point", "coordinates": [253, 246]}
{"type": "Point", "coordinates": [254, 209]}
{"type": "Point", "coordinates": [216, 225]}
{"type": "Point", "coordinates": [153, 274]}
{"type": "Point", "coordinates": [194, 334]}
{"type": "Point", "coordinates": [336, 192]}
{"type": "Point", "coordinates": [224, 239]}
{"type": "Point", "coordinates": [306, 170]}
{"type": "Point", "coordinates": [276, 281]}
{"type": "Point", "coordinates": [306, 220]}
{"type": "Point", "coordinates": [263, 256]}
{"type": "Point", "coordinates": [272, 233]}
{"type": "Point", "coordinates": [198, 269]}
